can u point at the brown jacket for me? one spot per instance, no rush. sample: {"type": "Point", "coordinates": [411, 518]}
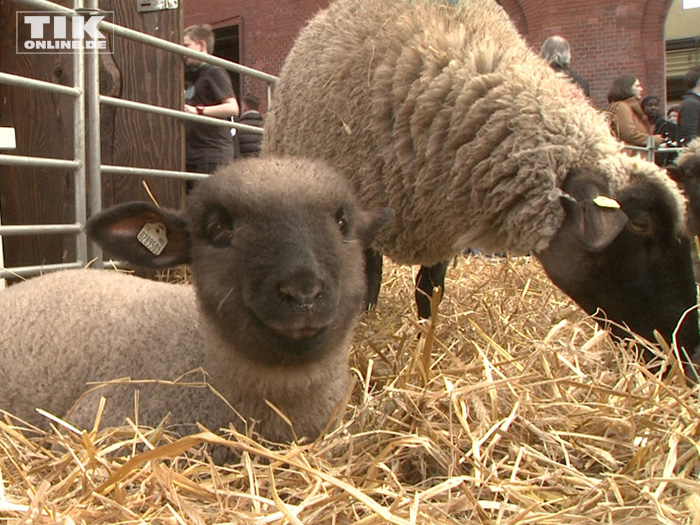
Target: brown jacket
{"type": "Point", "coordinates": [633, 127]}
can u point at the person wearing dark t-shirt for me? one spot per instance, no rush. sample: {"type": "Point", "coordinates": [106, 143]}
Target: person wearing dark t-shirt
{"type": "Point", "coordinates": [208, 92]}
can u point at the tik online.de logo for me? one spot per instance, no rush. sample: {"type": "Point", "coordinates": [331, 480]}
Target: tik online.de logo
{"type": "Point", "coordinates": [55, 32]}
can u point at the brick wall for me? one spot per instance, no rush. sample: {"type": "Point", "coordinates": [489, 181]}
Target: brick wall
{"type": "Point", "coordinates": [267, 29]}
{"type": "Point", "coordinates": [608, 37]}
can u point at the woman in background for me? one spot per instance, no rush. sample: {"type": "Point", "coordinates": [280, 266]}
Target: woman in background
{"type": "Point", "coordinates": [630, 122]}
{"type": "Point", "coordinates": [673, 113]}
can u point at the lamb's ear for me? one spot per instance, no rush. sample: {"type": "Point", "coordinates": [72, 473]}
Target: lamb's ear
{"type": "Point", "coordinates": [140, 233]}
{"type": "Point", "coordinates": [596, 221]}
{"type": "Point", "coordinates": [371, 223]}
{"type": "Point", "coordinates": [676, 172]}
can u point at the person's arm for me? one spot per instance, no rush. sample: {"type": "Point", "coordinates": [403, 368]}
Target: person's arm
{"type": "Point", "coordinates": [228, 107]}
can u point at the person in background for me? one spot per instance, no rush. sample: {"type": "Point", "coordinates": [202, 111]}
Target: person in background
{"type": "Point", "coordinates": [631, 123]}
{"type": "Point", "coordinates": [672, 114]}
{"type": "Point", "coordinates": [208, 92]}
{"type": "Point", "coordinates": [660, 126]}
{"type": "Point", "coordinates": [689, 114]}
{"type": "Point", "coordinates": [557, 52]}
{"type": "Point", "coordinates": [249, 143]}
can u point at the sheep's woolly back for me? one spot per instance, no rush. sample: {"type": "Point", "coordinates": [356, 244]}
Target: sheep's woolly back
{"type": "Point", "coordinates": [441, 111]}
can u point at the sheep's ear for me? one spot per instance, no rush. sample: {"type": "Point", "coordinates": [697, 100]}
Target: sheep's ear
{"type": "Point", "coordinates": [676, 172]}
{"type": "Point", "coordinates": [593, 218]}
{"type": "Point", "coordinates": [140, 233]}
{"type": "Point", "coordinates": [596, 221]}
{"type": "Point", "coordinates": [371, 223]}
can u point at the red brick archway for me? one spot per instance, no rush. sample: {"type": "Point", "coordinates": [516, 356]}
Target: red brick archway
{"type": "Point", "coordinates": [516, 14]}
{"type": "Point", "coordinates": [654, 48]}
{"type": "Point", "coordinates": [607, 38]}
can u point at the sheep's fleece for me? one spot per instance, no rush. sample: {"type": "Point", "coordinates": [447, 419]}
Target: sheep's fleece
{"type": "Point", "coordinates": [98, 309]}
{"type": "Point", "coordinates": [276, 248]}
{"type": "Point", "coordinates": [441, 111]}
{"type": "Point", "coordinates": [93, 310]}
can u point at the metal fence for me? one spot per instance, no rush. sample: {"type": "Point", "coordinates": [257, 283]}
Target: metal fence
{"type": "Point", "coordinates": [86, 162]}
{"type": "Point", "coordinates": [650, 151]}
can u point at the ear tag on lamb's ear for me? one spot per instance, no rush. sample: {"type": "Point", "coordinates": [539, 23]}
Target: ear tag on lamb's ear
{"type": "Point", "coordinates": [606, 202]}
{"type": "Point", "coordinates": [153, 237]}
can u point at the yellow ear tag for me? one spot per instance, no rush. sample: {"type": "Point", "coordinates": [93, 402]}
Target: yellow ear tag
{"type": "Point", "coordinates": [606, 202]}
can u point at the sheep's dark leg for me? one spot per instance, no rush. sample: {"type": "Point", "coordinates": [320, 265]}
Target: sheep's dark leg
{"type": "Point", "coordinates": [429, 278]}
{"type": "Point", "coordinates": [373, 273]}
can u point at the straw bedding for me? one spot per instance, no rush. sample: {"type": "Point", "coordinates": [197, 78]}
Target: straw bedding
{"type": "Point", "coordinates": [511, 407]}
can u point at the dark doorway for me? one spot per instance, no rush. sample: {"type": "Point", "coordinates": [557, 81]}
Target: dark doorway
{"type": "Point", "coordinates": [226, 45]}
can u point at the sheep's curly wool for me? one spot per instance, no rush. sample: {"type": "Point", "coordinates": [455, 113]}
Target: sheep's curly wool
{"type": "Point", "coordinates": [441, 111]}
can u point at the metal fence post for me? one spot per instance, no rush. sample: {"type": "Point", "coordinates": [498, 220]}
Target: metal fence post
{"type": "Point", "coordinates": [92, 81]}
{"type": "Point", "coordinates": [86, 164]}
{"type": "Point", "coordinates": [651, 149]}
{"type": "Point", "coordinates": [79, 177]}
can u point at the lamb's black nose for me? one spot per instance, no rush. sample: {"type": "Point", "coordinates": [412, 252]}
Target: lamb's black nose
{"type": "Point", "coordinates": [301, 291]}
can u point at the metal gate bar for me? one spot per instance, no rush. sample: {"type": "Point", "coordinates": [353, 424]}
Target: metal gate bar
{"type": "Point", "coordinates": [87, 131]}
{"type": "Point", "coordinates": [77, 166]}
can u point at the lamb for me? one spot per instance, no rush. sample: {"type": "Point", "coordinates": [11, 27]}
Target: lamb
{"type": "Point", "coordinates": [441, 111]}
{"type": "Point", "coordinates": [686, 172]}
{"type": "Point", "coordinates": [276, 251]}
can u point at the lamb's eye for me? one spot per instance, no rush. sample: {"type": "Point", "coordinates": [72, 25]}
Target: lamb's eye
{"type": "Point", "coordinates": [641, 225]}
{"type": "Point", "coordinates": [343, 221]}
{"type": "Point", "coordinates": [218, 234]}
{"type": "Point", "coordinates": [218, 228]}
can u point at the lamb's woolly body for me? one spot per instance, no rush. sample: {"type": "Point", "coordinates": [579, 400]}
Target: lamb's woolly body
{"type": "Point", "coordinates": [71, 317]}
{"type": "Point", "coordinates": [103, 325]}
{"type": "Point", "coordinates": [443, 113]}
{"type": "Point", "coordinates": [276, 247]}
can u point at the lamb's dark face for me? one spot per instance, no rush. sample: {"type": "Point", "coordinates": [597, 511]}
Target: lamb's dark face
{"type": "Point", "coordinates": [643, 278]}
{"type": "Point", "coordinates": [277, 259]}
{"type": "Point", "coordinates": [687, 175]}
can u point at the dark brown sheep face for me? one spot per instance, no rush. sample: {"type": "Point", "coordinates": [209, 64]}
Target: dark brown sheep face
{"type": "Point", "coordinates": [276, 248]}
{"type": "Point", "coordinates": [281, 285]}
{"type": "Point", "coordinates": [292, 273]}
{"type": "Point", "coordinates": [626, 264]}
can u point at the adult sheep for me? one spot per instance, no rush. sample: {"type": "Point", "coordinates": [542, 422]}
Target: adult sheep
{"type": "Point", "coordinates": [440, 110]}
{"type": "Point", "coordinates": [276, 248]}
